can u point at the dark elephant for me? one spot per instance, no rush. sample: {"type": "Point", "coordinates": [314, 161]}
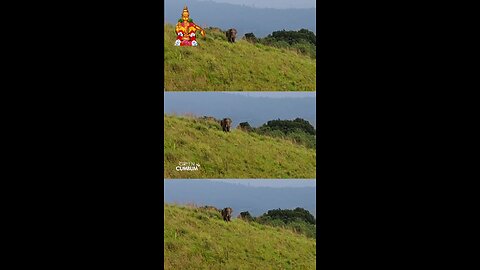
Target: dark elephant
{"type": "Point", "coordinates": [227, 214]}
{"type": "Point", "coordinates": [226, 124]}
{"type": "Point", "coordinates": [231, 34]}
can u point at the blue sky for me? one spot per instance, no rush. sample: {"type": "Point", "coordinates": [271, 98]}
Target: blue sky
{"type": "Point", "coordinates": [271, 3]}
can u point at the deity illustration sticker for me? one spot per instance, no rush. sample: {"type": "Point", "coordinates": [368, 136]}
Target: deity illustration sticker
{"type": "Point", "coordinates": [186, 30]}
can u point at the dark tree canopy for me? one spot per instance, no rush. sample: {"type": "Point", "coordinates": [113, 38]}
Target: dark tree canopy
{"type": "Point", "coordinates": [303, 41]}
{"type": "Point", "coordinates": [250, 37]}
{"type": "Point", "coordinates": [245, 126]}
{"type": "Point", "coordinates": [299, 131]}
{"type": "Point", "coordinates": [294, 36]}
{"type": "Point", "coordinates": [289, 216]}
{"type": "Point", "coordinates": [287, 126]}
{"type": "Point", "coordinates": [246, 215]}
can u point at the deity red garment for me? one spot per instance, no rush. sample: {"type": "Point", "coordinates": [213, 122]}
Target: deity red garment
{"type": "Point", "coordinates": [186, 30]}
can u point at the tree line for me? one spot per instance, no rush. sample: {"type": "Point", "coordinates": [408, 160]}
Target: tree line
{"type": "Point", "coordinates": [303, 41]}
{"type": "Point", "coordinates": [299, 220]}
{"type": "Point", "coordinates": [299, 130]}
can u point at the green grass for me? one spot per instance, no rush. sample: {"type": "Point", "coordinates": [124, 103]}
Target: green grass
{"type": "Point", "coordinates": [199, 239]}
{"type": "Point", "coordinates": [216, 65]}
{"type": "Point", "coordinates": [236, 154]}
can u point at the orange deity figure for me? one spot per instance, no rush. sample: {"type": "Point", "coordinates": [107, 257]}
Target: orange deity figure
{"type": "Point", "coordinates": [186, 30]}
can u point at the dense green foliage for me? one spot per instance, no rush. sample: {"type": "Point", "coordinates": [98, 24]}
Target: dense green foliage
{"type": "Point", "coordinates": [246, 216]}
{"type": "Point", "coordinates": [298, 131]}
{"type": "Point", "coordinates": [287, 215]}
{"type": "Point", "coordinates": [299, 220]}
{"type": "Point", "coordinates": [217, 65]}
{"type": "Point", "coordinates": [250, 37]}
{"type": "Point", "coordinates": [287, 126]}
{"type": "Point", "coordinates": [198, 238]}
{"type": "Point", "coordinates": [245, 126]}
{"type": "Point", "coordinates": [302, 41]}
{"type": "Point", "coordinates": [293, 37]}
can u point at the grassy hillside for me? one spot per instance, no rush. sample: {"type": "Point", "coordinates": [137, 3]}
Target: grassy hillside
{"type": "Point", "coordinates": [216, 65]}
{"type": "Point", "coordinates": [199, 239]}
{"type": "Point", "coordinates": [237, 154]}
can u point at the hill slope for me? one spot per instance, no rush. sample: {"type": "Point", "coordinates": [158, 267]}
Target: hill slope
{"type": "Point", "coordinates": [216, 65]}
{"type": "Point", "coordinates": [199, 239]}
{"type": "Point", "coordinates": [236, 154]}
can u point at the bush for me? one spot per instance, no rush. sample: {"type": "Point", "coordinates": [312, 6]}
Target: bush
{"type": "Point", "coordinates": [287, 126]}
{"type": "Point", "coordinates": [245, 126]}
{"type": "Point", "coordinates": [298, 131]}
{"type": "Point", "coordinates": [288, 216]}
{"type": "Point", "coordinates": [298, 220]}
{"type": "Point", "coordinates": [302, 41]}
{"type": "Point", "coordinates": [303, 35]}
{"type": "Point", "coordinates": [246, 216]}
{"type": "Point", "coordinates": [250, 37]}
